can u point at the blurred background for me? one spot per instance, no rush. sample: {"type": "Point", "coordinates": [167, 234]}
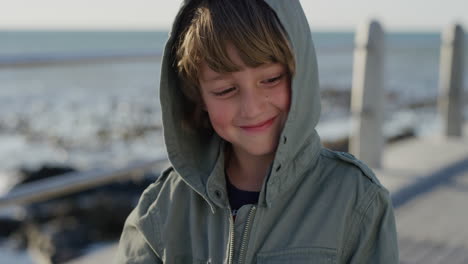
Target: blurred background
{"type": "Point", "coordinates": [79, 84]}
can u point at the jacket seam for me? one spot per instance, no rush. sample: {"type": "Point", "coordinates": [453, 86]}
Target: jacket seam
{"type": "Point", "coordinates": [157, 231]}
{"type": "Point", "coordinates": [155, 249]}
{"type": "Point", "coordinates": [303, 164]}
{"type": "Point", "coordinates": [360, 212]}
{"type": "Point", "coordinates": [368, 173]}
{"type": "Point", "coordinates": [152, 213]}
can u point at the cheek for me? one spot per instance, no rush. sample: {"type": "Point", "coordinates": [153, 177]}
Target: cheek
{"type": "Point", "coordinates": [283, 98]}
{"type": "Point", "coordinates": [219, 115]}
{"type": "Point", "coordinates": [215, 112]}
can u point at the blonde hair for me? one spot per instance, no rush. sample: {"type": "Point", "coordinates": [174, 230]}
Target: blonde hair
{"type": "Point", "coordinates": [251, 26]}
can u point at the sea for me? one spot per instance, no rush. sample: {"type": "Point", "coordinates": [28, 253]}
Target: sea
{"type": "Point", "coordinates": [89, 99]}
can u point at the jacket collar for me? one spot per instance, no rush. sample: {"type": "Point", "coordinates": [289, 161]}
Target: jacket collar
{"type": "Point", "coordinates": [279, 179]}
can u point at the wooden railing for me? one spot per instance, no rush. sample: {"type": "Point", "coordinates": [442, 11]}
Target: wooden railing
{"type": "Point", "coordinates": [75, 182]}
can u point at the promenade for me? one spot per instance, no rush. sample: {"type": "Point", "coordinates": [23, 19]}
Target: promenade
{"type": "Point", "coordinates": [428, 180]}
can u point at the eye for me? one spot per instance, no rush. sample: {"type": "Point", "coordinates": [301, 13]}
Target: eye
{"type": "Point", "coordinates": [274, 80]}
{"type": "Point", "coordinates": [224, 92]}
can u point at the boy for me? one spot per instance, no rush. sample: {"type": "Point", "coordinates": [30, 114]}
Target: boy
{"type": "Point", "coordinates": [249, 180]}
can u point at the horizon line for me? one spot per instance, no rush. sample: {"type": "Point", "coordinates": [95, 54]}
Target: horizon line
{"type": "Point", "coordinates": [164, 29]}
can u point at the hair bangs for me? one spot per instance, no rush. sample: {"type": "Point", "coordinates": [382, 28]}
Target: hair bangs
{"type": "Point", "coordinates": [253, 29]}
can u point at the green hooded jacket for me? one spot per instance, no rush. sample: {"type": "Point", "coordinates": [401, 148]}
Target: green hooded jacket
{"type": "Point", "coordinates": [315, 206]}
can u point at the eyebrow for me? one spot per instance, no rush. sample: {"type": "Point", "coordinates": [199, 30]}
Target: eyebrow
{"type": "Point", "coordinates": [217, 77]}
{"type": "Point", "coordinates": [223, 76]}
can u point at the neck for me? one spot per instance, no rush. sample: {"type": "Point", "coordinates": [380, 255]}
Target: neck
{"type": "Point", "coordinates": [247, 172]}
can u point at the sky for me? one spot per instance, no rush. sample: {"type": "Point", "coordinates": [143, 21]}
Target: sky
{"type": "Point", "coordinates": [395, 15]}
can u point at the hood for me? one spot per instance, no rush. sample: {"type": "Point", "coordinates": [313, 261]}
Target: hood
{"type": "Point", "coordinates": [199, 161]}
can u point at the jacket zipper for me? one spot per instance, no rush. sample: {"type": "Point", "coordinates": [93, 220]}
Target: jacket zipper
{"type": "Point", "coordinates": [246, 232]}
{"type": "Point", "coordinates": [231, 238]}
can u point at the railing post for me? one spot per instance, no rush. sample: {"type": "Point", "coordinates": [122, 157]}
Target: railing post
{"type": "Point", "coordinates": [367, 99]}
{"type": "Point", "coordinates": [450, 100]}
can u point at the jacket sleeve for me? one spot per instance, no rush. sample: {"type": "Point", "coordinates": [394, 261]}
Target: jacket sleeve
{"type": "Point", "coordinates": [133, 248]}
{"type": "Point", "coordinates": [374, 236]}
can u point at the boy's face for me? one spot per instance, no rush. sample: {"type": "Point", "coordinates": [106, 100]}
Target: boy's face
{"type": "Point", "coordinates": [247, 108]}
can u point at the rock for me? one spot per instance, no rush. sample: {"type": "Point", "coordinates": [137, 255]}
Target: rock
{"type": "Point", "coordinates": [9, 226]}
{"type": "Point", "coordinates": [58, 240]}
{"type": "Point", "coordinates": [61, 229]}
{"type": "Point", "coordinates": [405, 134]}
{"type": "Point", "coordinates": [46, 171]}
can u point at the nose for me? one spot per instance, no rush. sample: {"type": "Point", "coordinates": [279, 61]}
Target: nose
{"type": "Point", "coordinates": [252, 103]}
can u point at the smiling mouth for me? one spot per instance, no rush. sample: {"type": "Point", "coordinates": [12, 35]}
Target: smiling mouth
{"type": "Point", "coordinates": [260, 126]}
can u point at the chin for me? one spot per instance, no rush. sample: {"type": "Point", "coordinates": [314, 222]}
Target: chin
{"type": "Point", "coordinates": [264, 151]}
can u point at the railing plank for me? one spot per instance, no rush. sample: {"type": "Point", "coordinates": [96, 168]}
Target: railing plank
{"type": "Point", "coordinates": [74, 182]}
